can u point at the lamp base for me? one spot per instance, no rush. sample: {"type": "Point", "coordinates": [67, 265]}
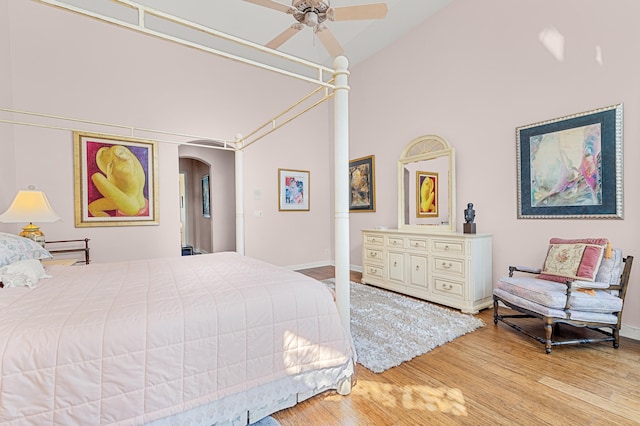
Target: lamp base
{"type": "Point", "coordinates": [34, 233]}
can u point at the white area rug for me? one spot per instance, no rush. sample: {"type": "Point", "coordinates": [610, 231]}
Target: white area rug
{"type": "Point", "coordinates": [389, 329]}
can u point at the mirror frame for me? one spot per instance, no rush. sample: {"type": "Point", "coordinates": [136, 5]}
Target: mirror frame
{"type": "Point", "coordinates": [423, 148]}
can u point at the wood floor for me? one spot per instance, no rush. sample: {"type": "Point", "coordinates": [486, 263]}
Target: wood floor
{"type": "Point", "coordinates": [493, 376]}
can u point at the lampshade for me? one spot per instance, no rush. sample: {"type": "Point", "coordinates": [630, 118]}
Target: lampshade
{"type": "Point", "coordinates": [30, 206]}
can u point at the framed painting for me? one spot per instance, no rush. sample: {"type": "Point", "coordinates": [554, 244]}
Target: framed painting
{"type": "Point", "coordinates": [116, 181]}
{"type": "Point", "coordinates": [362, 186]}
{"type": "Point", "coordinates": [426, 194]}
{"type": "Point", "coordinates": [293, 190]}
{"type": "Point", "coordinates": [571, 167]}
{"type": "Point", "coordinates": [206, 197]}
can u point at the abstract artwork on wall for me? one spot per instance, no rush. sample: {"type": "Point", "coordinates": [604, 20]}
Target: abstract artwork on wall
{"type": "Point", "coordinates": [116, 181]}
{"type": "Point", "coordinates": [571, 167]}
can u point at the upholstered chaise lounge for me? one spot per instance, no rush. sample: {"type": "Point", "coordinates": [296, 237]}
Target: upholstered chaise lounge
{"type": "Point", "coordinates": [582, 284]}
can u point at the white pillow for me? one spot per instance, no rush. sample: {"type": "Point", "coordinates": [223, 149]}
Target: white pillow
{"type": "Point", "coordinates": [14, 248]}
{"type": "Point", "coordinates": [22, 273]}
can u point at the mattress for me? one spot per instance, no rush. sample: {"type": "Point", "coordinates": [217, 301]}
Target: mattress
{"type": "Point", "coordinates": [136, 342]}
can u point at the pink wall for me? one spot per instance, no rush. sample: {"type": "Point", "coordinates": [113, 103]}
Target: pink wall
{"type": "Point", "coordinates": [70, 65]}
{"type": "Point", "coordinates": [472, 74]}
{"type": "Point", "coordinates": [7, 178]}
{"type": "Point", "coordinates": [475, 72]}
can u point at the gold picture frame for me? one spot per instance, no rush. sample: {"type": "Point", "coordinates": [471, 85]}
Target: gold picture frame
{"type": "Point", "coordinates": [427, 194]}
{"type": "Point", "coordinates": [116, 180]}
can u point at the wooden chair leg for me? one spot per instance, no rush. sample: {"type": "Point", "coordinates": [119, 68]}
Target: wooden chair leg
{"type": "Point", "coordinates": [548, 331]}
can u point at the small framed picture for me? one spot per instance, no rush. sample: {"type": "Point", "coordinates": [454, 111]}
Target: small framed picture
{"type": "Point", "coordinates": [293, 188]}
{"type": "Point", "coordinates": [206, 197]}
{"type": "Point", "coordinates": [362, 188]}
{"type": "Point", "coordinates": [426, 194]}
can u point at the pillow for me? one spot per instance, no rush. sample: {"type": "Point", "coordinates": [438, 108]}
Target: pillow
{"type": "Point", "coordinates": [611, 269]}
{"type": "Point", "coordinates": [22, 273]}
{"type": "Point", "coordinates": [573, 259]}
{"type": "Point", "coordinates": [14, 248]}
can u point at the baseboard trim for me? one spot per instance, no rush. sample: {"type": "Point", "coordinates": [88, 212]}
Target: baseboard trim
{"type": "Point", "coordinates": [630, 332]}
{"type": "Point", "coordinates": [355, 268]}
{"type": "Point", "coordinates": [308, 265]}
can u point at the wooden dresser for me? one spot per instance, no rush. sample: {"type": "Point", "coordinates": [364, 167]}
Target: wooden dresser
{"type": "Point", "coordinates": [451, 269]}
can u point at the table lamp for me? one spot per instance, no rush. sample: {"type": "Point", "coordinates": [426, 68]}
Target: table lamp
{"type": "Point", "coordinates": [30, 206]}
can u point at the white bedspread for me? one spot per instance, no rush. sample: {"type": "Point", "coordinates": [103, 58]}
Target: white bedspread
{"type": "Point", "coordinates": [131, 342]}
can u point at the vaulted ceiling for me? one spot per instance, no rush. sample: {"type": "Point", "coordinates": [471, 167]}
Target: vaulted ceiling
{"type": "Point", "coordinates": [252, 22]}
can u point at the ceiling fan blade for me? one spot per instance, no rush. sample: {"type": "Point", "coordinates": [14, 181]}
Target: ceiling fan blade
{"type": "Point", "coordinates": [272, 5]}
{"type": "Point", "coordinates": [284, 36]}
{"type": "Point", "coordinates": [364, 11]}
{"type": "Point", "coordinates": [329, 41]}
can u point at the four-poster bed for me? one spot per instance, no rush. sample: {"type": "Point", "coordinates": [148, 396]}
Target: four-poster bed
{"type": "Point", "coordinates": [319, 343]}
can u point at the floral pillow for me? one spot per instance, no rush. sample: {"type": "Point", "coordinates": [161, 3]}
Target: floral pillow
{"type": "Point", "coordinates": [14, 248]}
{"type": "Point", "coordinates": [573, 259]}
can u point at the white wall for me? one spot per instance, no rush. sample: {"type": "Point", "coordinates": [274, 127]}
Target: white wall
{"type": "Point", "coordinates": [475, 72]}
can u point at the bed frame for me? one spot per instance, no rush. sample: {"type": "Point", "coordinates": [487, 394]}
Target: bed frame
{"type": "Point", "coordinates": [330, 82]}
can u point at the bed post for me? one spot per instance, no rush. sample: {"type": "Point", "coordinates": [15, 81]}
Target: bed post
{"type": "Point", "coordinates": [239, 157]}
{"type": "Point", "coordinates": [341, 141]}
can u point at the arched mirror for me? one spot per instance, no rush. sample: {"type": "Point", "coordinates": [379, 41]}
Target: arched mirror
{"type": "Point", "coordinates": [427, 186]}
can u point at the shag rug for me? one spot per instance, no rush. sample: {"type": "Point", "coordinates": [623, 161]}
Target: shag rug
{"type": "Point", "coordinates": [389, 328]}
{"type": "Point", "coordinates": [267, 421]}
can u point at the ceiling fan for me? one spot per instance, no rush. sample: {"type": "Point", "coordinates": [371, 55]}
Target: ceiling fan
{"type": "Point", "coordinates": [313, 13]}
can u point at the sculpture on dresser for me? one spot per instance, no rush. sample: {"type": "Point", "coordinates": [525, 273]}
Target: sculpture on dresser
{"type": "Point", "coordinates": [469, 215]}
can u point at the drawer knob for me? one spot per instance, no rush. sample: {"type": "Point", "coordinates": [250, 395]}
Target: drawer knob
{"type": "Point", "coordinates": [395, 263]}
{"type": "Point", "coordinates": [416, 244]}
{"type": "Point", "coordinates": [446, 247]}
{"type": "Point", "coordinates": [417, 267]}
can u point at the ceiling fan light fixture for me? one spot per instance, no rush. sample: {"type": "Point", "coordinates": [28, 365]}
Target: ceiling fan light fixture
{"type": "Point", "coordinates": [311, 19]}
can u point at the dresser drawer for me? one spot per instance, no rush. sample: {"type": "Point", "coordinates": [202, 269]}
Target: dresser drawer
{"type": "Point", "coordinates": [448, 287]}
{"type": "Point", "coordinates": [448, 266]}
{"type": "Point", "coordinates": [395, 242]}
{"type": "Point", "coordinates": [371, 254]}
{"type": "Point", "coordinates": [417, 244]}
{"type": "Point", "coordinates": [374, 239]}
{"type": "Point", "coordinates": [374, 270]}
{"type": "Point", "coordinates": [447, 246]}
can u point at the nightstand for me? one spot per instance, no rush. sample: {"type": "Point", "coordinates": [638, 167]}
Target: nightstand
{"type": "Point", "coordinates": [68, 252]}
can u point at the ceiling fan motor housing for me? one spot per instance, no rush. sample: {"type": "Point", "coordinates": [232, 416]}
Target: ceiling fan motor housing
{"type": "Point", "coordinates": [311, 12]}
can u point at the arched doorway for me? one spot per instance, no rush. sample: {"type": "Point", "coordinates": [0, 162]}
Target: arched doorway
{"type": "Point", "coordinates": [207, 223]}
{"type": "Point", "coordinates": [196, 226]}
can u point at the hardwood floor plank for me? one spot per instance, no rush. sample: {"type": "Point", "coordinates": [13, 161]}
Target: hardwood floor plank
{"type": "Point", "coordinates": [495, 375]}
{"type": "Point", "coordinates": [629, 412]}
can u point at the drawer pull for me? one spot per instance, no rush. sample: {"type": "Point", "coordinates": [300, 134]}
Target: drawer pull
{"type": "Point", "coordinates": [447, 286]}
{"type": "Point", "coordinates": [446, 265]}
{"type": "Point", "coordinates": [372, 253]}
{"type": "Point", "coordinates": [373, 270]}
{"type": "Point", "coordinates": [395, 263]}
{"type": "Point", "coordinates": [417, 267]}
{"type": "Point", "coordinates": [446, 247]}
{"type": "Point", "coordinates": [416, 244]}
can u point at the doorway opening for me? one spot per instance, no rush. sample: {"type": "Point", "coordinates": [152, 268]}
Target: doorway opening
{"type": "Point", "coordinates": [196, 227]}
